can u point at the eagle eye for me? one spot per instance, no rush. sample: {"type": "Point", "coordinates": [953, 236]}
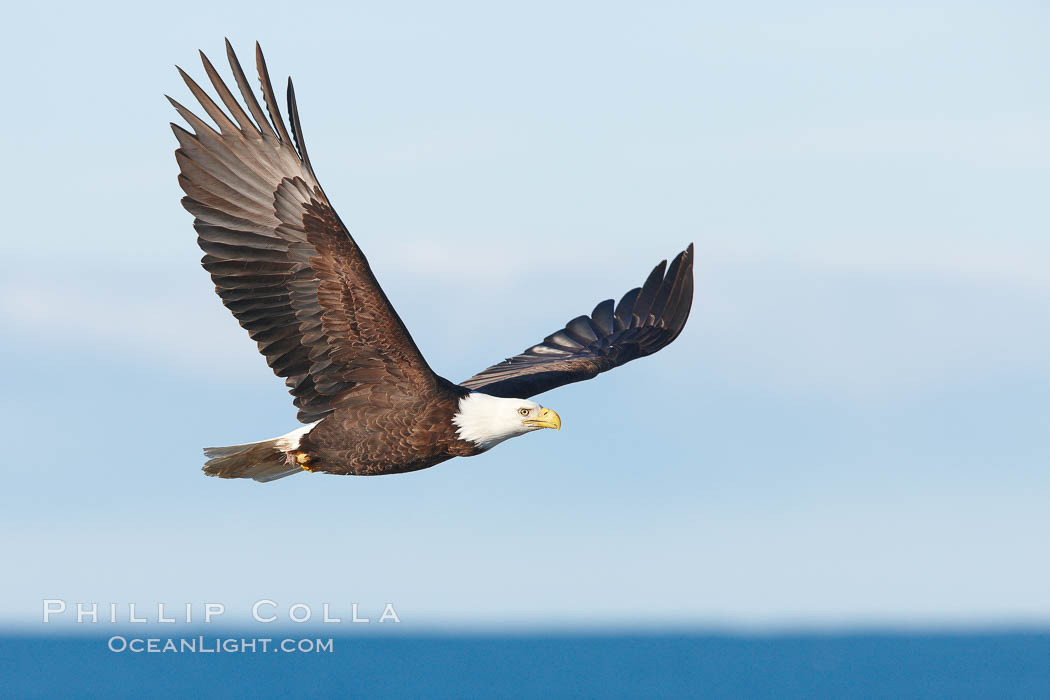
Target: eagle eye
{"type": "Point", "coordinates": [523, 411]}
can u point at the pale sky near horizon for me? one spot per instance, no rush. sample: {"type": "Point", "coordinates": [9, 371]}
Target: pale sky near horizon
{"type": "Point", "coordinates": [851, 430]}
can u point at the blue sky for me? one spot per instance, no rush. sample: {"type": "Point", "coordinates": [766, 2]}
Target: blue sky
{"type": "Point", "coordinates": [851, 430]}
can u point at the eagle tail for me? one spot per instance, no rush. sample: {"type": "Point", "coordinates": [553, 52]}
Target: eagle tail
{"type": "Point", "coordinates": [262, 461]}
{"type": "Point", "coordinates": [267, 460]}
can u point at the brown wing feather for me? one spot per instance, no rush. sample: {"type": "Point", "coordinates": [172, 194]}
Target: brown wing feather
{"type": "Point", "coordinates": [646, 319]}
{"type": "Point", "coordinates": [281, 259]}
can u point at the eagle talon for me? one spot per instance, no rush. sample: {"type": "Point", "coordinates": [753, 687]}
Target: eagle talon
{"type": "Point", "coordinates": [300, 459]}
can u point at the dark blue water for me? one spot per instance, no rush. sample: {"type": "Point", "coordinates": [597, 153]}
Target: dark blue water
{"type": "Point", "coordinates": [629, 666]}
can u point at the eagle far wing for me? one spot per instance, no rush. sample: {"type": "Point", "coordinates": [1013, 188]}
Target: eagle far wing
{"type": "Point", "coordinates": [281, 259]}
{"type": "Point", "coordinates": [647, 319]}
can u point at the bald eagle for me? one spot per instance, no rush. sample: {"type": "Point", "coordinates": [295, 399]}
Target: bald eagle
{"type": "Point", "coordinates": [283, 262]}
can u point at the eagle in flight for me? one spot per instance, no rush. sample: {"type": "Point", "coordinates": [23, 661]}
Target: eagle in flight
{"type": "Point", "coordinates": [295, 279]}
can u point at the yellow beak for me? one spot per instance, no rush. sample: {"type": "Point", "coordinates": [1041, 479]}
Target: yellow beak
{"type": "Point", "coordinates": [546, 419]}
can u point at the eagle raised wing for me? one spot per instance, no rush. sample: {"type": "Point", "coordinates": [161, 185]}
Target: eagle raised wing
{"type": "Point", "coordinates": [647, 319]}
{"type": "Point", "coordinates": [281, 259]}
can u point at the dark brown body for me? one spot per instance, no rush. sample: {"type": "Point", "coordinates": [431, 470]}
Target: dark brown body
{"type": "Point", "coordinates": [373, 439]}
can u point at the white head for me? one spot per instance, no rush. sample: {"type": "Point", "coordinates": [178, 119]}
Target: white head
{"type": "Point", "coordinates": [489, 420]}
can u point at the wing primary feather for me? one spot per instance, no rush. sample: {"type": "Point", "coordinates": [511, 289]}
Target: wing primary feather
{"type": "Point", "coordinates": [602, 317]}
{"type": "Point", "coordinates": [657, 308]}
{"type": "Point", "coordinates": [561, 339]}
{"type": "Point", "coordinates": [685, 295]}
{"type": "Point", "coordinates": [214, 111]}
{"type": "Point", "coordinates": [268, 97]}
{"type": "Point", "coordinates": [581, 330]}
{"type": "Point", "coordinates": [198, 124]}
{"type": "Point", "coordinates": [680, 298]}
{"type": "Point", "coordinates": [648, 294]}
{"type": "Point", "coordinates": [249, 97]}
{"type": "Point", "coordinates": [297, 128]}
{"type": "Point", "coordinates": [228, 99]}
{"type": "Point", "coordinates": [623, 309]}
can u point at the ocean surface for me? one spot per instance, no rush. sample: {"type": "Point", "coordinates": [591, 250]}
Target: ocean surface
{"type": "Point", "coordinates": [548, 666]}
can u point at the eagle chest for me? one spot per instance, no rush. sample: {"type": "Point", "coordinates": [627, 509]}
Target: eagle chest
{"type": "Point", "coordinates": [372, 440]}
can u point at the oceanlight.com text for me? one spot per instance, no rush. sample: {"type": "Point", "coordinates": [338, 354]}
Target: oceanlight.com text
{"type": "Point", "coordinates": [219, 645]}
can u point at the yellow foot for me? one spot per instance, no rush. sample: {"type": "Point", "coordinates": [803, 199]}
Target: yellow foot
{"type": "Point", "coordinates": [303, 460]}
